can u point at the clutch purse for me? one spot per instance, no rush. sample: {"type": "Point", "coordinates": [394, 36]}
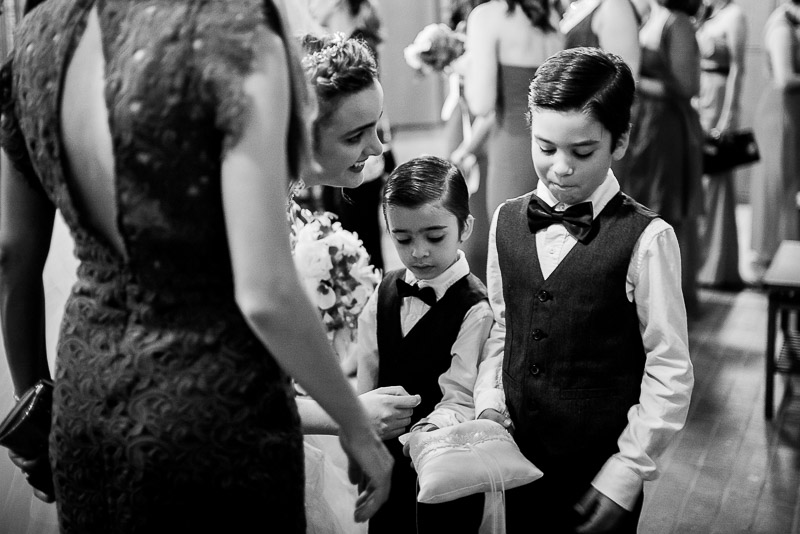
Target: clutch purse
{"type": "Point", "coordinates": [25, 431]}
{"type": "Point", "coordinates": [725, 152]}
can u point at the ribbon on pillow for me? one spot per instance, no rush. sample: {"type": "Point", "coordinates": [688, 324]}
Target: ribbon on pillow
{"type": "Point", "coordinates": [446, 468]}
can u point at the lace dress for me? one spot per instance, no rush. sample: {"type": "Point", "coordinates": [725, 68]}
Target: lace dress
{"type": "Point", "coordinates": [169, 414]}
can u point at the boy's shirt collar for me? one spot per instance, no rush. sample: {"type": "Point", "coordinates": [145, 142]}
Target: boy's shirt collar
{"type": "Point", "coordinates": [442, 283]}
{"type": "Point", "coordinates": [599, 197]}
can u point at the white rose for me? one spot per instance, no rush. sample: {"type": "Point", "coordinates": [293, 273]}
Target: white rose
{"type": "Point", "coordinates": [308, 233]}
{"type": "Point", "coordinates": [351, 244]}
{"type": "Point", "coordinates": [411, 54]}
{"type": "Point", "coordinates": [312, 260]}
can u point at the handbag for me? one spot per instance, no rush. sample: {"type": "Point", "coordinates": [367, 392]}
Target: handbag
{"type": "Point", "coordinates": [25, 431]}
{"type": "Point", "coordinates": [725, 152]}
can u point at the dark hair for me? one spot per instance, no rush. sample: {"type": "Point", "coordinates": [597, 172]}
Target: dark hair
{"type": "Point", "coordinates": [690, 7]}
{"type": "Point", "coordinates": [589, 80]}
{"type": "Point", "coordinates": [336, 66]}
{"type": "Point", "coordinates": [31, 5]}
{"type": "Point", "coordinates": [538, 11]}
{"type": "Point", "coordinates": [428, 180]}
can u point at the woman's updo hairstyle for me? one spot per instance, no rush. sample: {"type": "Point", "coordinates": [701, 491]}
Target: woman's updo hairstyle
{"type": "Point", "coordinates": [336, 66]}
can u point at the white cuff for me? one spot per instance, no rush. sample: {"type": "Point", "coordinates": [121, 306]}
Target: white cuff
{"type": "Point", "coordinates": [619, 483]}
{"type": "Point", "coordinates": [491, 398]}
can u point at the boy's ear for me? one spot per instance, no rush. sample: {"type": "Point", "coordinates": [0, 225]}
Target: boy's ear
{"type": "Point", "coordinates": [622, 145]}
{"type": "Point", "coordinates": [468, 226]}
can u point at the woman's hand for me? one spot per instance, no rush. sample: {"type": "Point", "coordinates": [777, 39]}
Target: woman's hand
{"type": "Point", "coordinates": [370, 466]}
{"type": "Point", "coordinates": [37, 471]}
{"type": "Point", "coordinates": [389, 410]}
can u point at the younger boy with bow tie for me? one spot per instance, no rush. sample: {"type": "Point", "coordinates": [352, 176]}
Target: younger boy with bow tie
{"type": "Point", "coordinates": [424, 329]}
{"type": "Point", "coordinates": [590, 324]}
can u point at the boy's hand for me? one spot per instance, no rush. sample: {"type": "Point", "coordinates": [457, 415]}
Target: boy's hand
{"type": "Point", "coordinates": [600, 513]}
{"type": "Point", "coordinates": [389, 410]}
{"type": "Point", "coordinates": [427, 427]}
{"type": "Point", "coordinates": [497, 417]}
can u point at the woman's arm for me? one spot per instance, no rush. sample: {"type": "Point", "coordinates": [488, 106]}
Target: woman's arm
{"type": "Point", "coordinates": [268, 291]}
{"type": "Point", "coordinates": [26, 225]}
{"type": "Point", "coordinates": [388, 410]}
{"type": "Point", "coordinates": [778, 42]}
{"type": "Point", "coordinates": [480, 81]}
{"type": "Point", "coordinates": [458, 381]}
{"type": "Point", "coordinates": [735, 37]}
{"type": "Point", "coordinates": [618, 31]}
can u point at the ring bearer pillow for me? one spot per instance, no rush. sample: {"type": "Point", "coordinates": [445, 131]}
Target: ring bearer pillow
{"type": "Point", "coordinates": [471, 457]}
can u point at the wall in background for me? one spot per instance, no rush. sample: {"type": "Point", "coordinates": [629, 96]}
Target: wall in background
{"type": "Point", "coordinates": [411, 101]}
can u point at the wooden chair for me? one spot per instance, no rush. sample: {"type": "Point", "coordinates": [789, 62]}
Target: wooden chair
{"type": "Point", "coordinates": [782, 283]}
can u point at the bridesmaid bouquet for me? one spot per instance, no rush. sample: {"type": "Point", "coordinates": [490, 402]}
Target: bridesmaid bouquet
{"type": "Point", "coordinates": [335, 270]}
{"type": "Point", "coordinates": [434, 49]}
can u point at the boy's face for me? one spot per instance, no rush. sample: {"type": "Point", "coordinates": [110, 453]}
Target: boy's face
{"type": "Point", "coordinates": [346, 138]}
{"type": "Point", "coordinates": [572, 152]}
{"type": "Point", "coordinates": [426, 238]}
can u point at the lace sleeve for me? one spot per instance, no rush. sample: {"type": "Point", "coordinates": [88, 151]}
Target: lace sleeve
{"type": "Point", "coordinates": [231, 41]}
{"type": "Point", "coordinates": [11, 138]}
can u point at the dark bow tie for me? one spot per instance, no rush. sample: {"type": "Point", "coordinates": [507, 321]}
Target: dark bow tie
{"type": "Point", "coordinates": [576, 219]}
{"type": "Point", "coordinates": [425, 294]}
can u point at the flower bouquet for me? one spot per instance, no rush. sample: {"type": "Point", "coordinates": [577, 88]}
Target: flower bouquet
{"type": "Point", "coordinates": [334, 268]}
{"type": "Point", "coordinates": [434, 49]}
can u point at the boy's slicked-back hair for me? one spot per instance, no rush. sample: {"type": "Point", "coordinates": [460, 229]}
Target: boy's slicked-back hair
{"type": "Point", "coordinates": [336, 66]}
{"type": "Point", "coordinates": [428, 180]}
{"type": "Point", "coordinates": [589, 80]}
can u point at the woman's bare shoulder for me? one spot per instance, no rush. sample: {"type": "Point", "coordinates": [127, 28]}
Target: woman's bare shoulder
{"type": "Point", "coordinates": [489, 13]}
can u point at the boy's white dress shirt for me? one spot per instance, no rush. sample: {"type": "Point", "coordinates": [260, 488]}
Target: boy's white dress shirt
{"type": "Point", "coordinates": [654, 283]}
{"type": "Point", "coordinates": [458, 381]}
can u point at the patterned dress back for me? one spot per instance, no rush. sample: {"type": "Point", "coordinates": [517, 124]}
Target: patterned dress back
{"type": "Point", "coordinates": [169, 414]}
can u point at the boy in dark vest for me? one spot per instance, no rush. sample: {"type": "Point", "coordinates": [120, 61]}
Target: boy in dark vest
{"type": "Point", "coordinates": [590, 323]}
{"type": "Point", "coordinates": [424, 329]}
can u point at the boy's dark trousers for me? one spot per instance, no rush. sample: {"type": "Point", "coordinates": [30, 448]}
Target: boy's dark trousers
{"type": "Point", "coordinates": [403, 515]}
{"type": "Point", "coordinates": [547, 505]}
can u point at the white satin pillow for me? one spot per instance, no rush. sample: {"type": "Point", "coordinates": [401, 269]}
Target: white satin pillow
{"type": "Point", "coordinates": [472, 457]}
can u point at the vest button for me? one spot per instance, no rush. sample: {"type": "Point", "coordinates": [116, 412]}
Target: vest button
{"type": "Point", "coordinates": [534, 369]}
{"type": "Point", "coordinates": [538, 335]}
{"type": "Point", "coordinates": [543, 296]}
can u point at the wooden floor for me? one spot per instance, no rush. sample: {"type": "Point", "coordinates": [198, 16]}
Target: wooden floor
{"type": "Point", "coordinates": [729, 471]}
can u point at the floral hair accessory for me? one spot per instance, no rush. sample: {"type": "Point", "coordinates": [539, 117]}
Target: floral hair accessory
{"type": "Point", "coordinates": [434, 49]}
{"type": "Point", "coordinates": [326, 54]}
